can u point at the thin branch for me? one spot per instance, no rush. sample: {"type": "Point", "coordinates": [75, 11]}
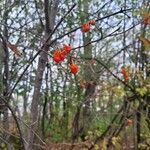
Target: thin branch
{"type": "Point", "coordinates": [110, 15]}
{"type": "Point", "coordinates": [15, 118]}
{"type": "Point", "coordinates": [101, 137]}
{"type": "Point", "coordinates": [35, 56]}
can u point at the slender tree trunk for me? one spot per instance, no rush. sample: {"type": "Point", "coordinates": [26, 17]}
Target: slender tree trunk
{"type": "Point", "coordinates": [6, 78]}
{"type": "Point", "coordinates": [82, 121]}
{"type": "Point", "coordinates": [88, 76]}
{"type": "Point", "coordinates": [50, 14]}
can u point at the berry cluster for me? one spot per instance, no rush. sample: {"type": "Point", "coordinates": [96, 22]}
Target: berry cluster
{"type": "Point", "coordinates": [86, 26]}
{"type": "Point", "coordinates": [59, 56]}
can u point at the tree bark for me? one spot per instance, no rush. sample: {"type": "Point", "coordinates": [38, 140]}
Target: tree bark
{"type": "Point", "coordinates": [50, 15]}
{"type": "Point", "coordinates": [5, 78]}
{"type": "Point", "coordinates": [83, 120]}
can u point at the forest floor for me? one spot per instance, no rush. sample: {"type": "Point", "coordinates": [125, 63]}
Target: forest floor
{"type": "Point", "coordinates": [69, 146]}
{"type": "Point", "coordinates": [85, 146]}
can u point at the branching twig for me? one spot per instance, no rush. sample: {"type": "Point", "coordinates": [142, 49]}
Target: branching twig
{"type": "Point", "coordinates": [35, 56]}
{"type": "Point", "coordinates": [102, 18]}
{"type": "Point", "coordinates": [101, 137]}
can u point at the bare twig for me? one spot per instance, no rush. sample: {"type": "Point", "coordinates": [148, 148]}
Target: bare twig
{"type": "Point", "coordinates": [15, 118]}
{"type": "Point", "coordinates": [35, 56]}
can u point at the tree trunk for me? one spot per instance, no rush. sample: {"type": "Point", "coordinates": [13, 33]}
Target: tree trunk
{"type": "Point", "coordinates": [86, 115]}
{"type": "Point", "coordinates": [88, 76]}
{"type": "Point", "coordinates": [50, 14]}
{"type": "Point", "coordinates": [5, 79]}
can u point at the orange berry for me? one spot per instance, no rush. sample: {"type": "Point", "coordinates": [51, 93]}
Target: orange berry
{"type": "Point", "coordinates": [123, 70]}
{"type": "Point", "coordinates": [86, 27]}
{"type": "Point", "coordinates": [74, 68]}
{"type": "Point", "coordinates": [92, 22]}
{"type": "Point", "coordinates": [63, 52]}
{"type": "Point", "coordinates": [56, 59]}
{"type": "Point", "coordinates": [126, 77]}
{"type": "Point", "coordinates": [58, 56]}
{"type": "Point", "coordinates": [66, 49]}
{"type": "Point", "coordinates": [62, 56]}
{"type": "Point", "coordinates": [125, 74]}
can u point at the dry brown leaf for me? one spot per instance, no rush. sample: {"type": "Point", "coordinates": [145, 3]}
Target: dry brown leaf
{"type": "Point", "coordinates": [146, 18]}
{"type": "Point", "coordinates": [14, 48]}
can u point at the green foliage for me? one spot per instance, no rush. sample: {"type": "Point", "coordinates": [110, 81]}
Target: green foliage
{"type": "Point", "coordinates": [145, 134]}
{"type": "Point", "coordinates": [142, 91]}
{"type": "Point", "coordinates": [55, 132]}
